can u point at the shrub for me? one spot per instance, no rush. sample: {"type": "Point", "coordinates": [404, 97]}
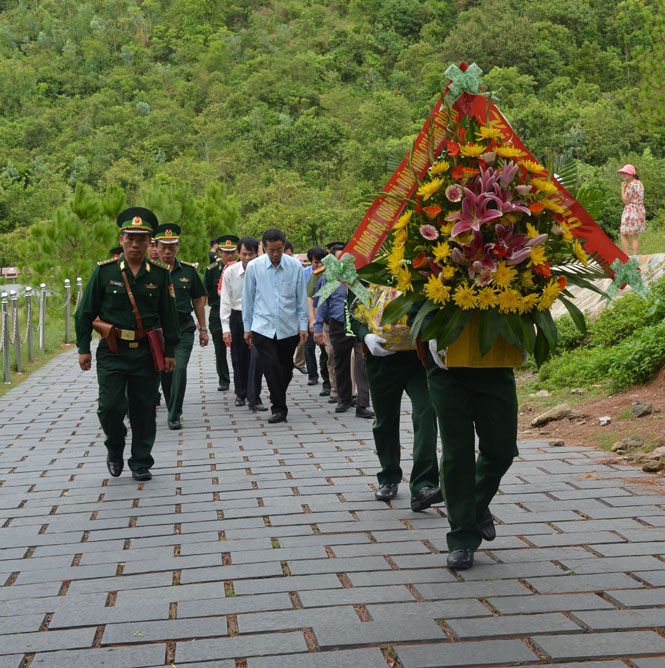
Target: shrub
{"type": "Point", "coordinates": [568, 336]}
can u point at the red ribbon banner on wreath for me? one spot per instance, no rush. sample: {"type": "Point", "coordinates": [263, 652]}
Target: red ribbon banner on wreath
{"type": "Point", "coordinates": [388, 206]}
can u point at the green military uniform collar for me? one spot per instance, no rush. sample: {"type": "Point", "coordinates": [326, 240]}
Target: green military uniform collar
{"type": "Point", "coordinates": [122, 264]}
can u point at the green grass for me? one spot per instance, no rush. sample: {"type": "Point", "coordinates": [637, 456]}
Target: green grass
{"type": "Point", "coordinates": [652, 241]}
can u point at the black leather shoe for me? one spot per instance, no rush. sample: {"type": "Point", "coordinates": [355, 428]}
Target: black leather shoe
{"type": "Point", "coordinates": [426, 497]}
{"type": "Point", "coordinates": [159, 399]}
{"type": "Point", "coordinates": [361, 411]}
{"type": "Point", "coordinates": [342, 407]}
{"type": "Point", "coordinates": [222, 387]}
{"type": "Point", "coordinates": [277, 417]}
{"type": "Point", "coordinates": [302, 369]}
{"type": "Point", "coordinates": [257, 407]}
{"type": "Point", "coordinates": [460, 560]}
{"type": "Point", "coordinates": [115, 466]}
{"type": "Point", "coordinates": [486, 525]}
{"type": "Point", "coordinates": [240, 402]}
{"type": "Point", "coordinates": [386, 492]}
{"type": "Point", "coordinates": [174, 424]}
{"type": "Point", "coordinates": [142, 475]}
{"type": "Point", "coordinates": [313, 381]}
{"type": "Point", "coordinates": [332, 400]}
{"type": "Point", "coordinates": [325, 392]}
{"type": "Point", "coordinates": [353, 401]}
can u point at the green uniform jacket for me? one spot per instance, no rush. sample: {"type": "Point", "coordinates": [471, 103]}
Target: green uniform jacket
{"type": "Point", "coordinates": [106, 296]}
{"type": "Point", "coordinates": [187, 285]}
{"type": "Point", "coordinates": [210, 282]}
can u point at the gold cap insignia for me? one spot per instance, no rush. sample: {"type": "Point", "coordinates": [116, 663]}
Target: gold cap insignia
{"type": "Point", "coordinates": [169, 233]}
{"type": "Point", "coordinates": [136, 220]}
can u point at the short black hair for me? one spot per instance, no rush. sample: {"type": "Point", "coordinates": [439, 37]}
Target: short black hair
{"type": "Point", "coordinates": [212, 242]}
{"type": "Point", "coordinates": [337, 247]}
{"type": "Point", "coordinates": [273, 234]}
{"type": "Point", "coordinates": [316, 252]}
{"type": "Point", "coordinates": [289, 246]}
{"type": "Point", "coordinates": [250, 243]}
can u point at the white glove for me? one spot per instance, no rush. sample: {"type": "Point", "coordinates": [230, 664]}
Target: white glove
{"type": "Point", "coordinates": [374, 344]}
{"type": "Point", "coordinates": [437, 355]}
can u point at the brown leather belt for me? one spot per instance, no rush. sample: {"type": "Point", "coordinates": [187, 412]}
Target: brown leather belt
{"type": "Point", "coordinates": [130, 334]}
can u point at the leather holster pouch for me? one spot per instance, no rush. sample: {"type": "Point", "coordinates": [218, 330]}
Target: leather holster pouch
{"type": "Point", "coordinates": [107, 331]}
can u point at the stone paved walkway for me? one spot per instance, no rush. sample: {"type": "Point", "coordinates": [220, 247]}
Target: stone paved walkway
{"type": "Point", "coordinates": [259, 546]}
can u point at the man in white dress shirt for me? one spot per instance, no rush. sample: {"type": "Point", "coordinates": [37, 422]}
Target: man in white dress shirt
{"type": "Point", "coordinates": [275, 315]}
{"type": "Point", "coordinates": [245, 359]}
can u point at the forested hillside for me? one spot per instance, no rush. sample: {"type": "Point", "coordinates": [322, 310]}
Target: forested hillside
{"type": "Point", "coordinates": [225, 115]}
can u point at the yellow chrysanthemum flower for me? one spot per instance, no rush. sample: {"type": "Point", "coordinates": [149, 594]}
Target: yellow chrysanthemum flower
{"type": "Point", "coordinates": [531, 231]}
{"type": "Point", "coordinates": [448, 272]}
{"type": "Point", "coordinates": [552, 206]}
{"type": "Point", "coordinates": [441, 251]}
{"type": "Point", "coordinates": [537, 257]}
{"type": "Point", "coordinates": [404, 279]}
{"type": "Point", "coordinates": [550, 293]}
{"type": "Point", "coordinates": [544, 186]}
{"type": "Point", "coordinates": [529, 302]}
{"type": "Point", "coordinates": [472, 150]}
{"type": "Point", "coordinates": [532, 166]}
{"type": "Point", "coordinates": [526, 279]}
{"type": "Point", "coordinates": [580, 253]}
{"type": "Point", "coordinates": [446, 229]}
{"type": "Point", "coordinates": [439, 167]}
{"type": "Point", "coordinates": [489, 133]}
{"type": "Point", "coordinates": [403, 220]}
{"type": "Point", "coordinates": [436, 291]}
{"type": "Point", "coordinates": [509, 301]}
{"type": "Point", "coordinates": [504, 275]}
{"type": "Point", "coordinates": [395, 259]}
{"type": "Point", "coordinates": [508, 152]}
{"type": "Point", "coordinates": [401, 236]}
{"type": "Point", "coordinates": [465, 297]}
{"type": "Point", "coordinates": [428, 189]}
{"type": "Point", "coordinates": [486, 298]}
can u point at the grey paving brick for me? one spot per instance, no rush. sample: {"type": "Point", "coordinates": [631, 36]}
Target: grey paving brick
{"type": "Point", "coordinates": [369, 549]}
{"type": "Point", "coordinates": [172, 629]}
{"type": "Point", "coordinates": [454, 609]}
{"type": "Point", "coordinates": [436, 591]}
{"type": "Point", "coordinates": [86, 615]}
{"type": "Point", "coordinates": [15, 660]}
{"type": "Point", "coordinates": [513, 626]}
{"type": "Point", "coordinates": [104, 657]}
{"type": "Point", "coordinates": [637, 598]}
{"type": "Point", "coordinates": [353, 595]}
{"type": "Point", "coordinates": [21, 623]}
{"type": "Point", "coordinates": [46, 640]}
{"type": "Point", "coordinates": [235, 647]}
{"type": "Point", "coordinates": [656, 662]}
{"type": "Point", "coordinates": [121, 582]}
{"type": "Point", "coordinates": [601, 645]}
{"type": "Point", "coordinates": [217, 573]}
{"type": "Point", "coordinates": [401, 577]}
{"type": "Point", "coordinates": [621, 620]}
{"type": "Point", "coordinates": [295, 583]}
{"type": "Point", "coordinates": [343, 565]}
{"type": "Point", "coordinates": [404, 630]}
{"type": "Point", "coordinates": [654, 578]}
{"type": "Point", "coordinates": [555, 540]}
{"type": "Point", "coordinates": [488, 653]}
{"type": "Point", "coordinates": [625, 549]}
{"type": "Point", "coordinates": [297, 619]}
{"type": "Point", "coordinates": [358, 658]}
{"type": "Point", "coordinates": [60, 574]}
{"type": "Point", "coordinates": [510, 605]}
{"type": "Point", "coordinates": [581, 583]}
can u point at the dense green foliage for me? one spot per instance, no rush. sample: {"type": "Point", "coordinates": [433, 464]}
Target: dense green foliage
{"type": "Point", "coordinates": [291, 113]}
{"type": "Point", "coordinates": [626, 345]}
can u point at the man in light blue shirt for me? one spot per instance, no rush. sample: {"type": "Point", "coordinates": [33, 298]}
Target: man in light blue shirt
{"type": "Point", "coordinates": [275, 315]}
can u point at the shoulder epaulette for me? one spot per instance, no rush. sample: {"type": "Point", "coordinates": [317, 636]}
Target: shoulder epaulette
{"type": "Point", "coordinates": [157, 263]}
{"type": "Point", "coordinates": [212, 266]}
{"type": "Point", "coordinates": [103, 262]}
{"type": "Point", "coordinates": [319, 270]}
{"type": "Point", "coordinates": [189, 264]}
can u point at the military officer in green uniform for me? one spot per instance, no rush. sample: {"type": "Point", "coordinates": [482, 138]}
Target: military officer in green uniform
{"type": "Point", "coordinates": [127, 378]}
{"type": "Point", "coordinates": [189, 294]}
{"type": "Point", "coordinates": [226, 251]}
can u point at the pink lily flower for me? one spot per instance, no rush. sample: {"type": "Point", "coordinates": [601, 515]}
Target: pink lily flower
{"type": "Point", "coordinates": [474, 212]}
{"type": "Point", "coordinates": [475, 256]}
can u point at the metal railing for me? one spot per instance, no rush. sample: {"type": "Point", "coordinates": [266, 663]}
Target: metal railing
{"type": "Point", "coordinates": [10, 333]}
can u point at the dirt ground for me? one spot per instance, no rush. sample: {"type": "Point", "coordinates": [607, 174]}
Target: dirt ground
{"type": "Point", "coordinates": [584, 427]}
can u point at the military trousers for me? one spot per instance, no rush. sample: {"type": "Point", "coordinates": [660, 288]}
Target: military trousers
{"type": "Point", "coordinates": [217, 336]}
{"type": "Point", "coordinates": [468, 400]}
{"type": "Point", "coordinates": [389, 377]}
{"type": "Point", "coordinates": [128, 384]}
{"type": "Point", "coordinates": [174, 384]}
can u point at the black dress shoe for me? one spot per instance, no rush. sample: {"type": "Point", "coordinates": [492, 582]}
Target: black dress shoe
{"type": "Point", "coordinates": [486, 525]}
{"type": "Point", "coordinates": [257, 407]}
{"type": "Point", "coordinates": [313, 381]}
{"type": "Point", "coordinates": [159, 399]}
{"type": "Point", "coordinates": [325, 392]}
{"type": "Point", "coordinates": [353, 401]}
{"type": "Point", "coordinates": [461, 559]}
{"type": "Point", "coordinates": [222, 387]}
{"type": "Point", "coordinates": [361, 411]}
{"type": "Point", "coordinates": [174, 424]}
{"type": "Point", "coordinates": [240, 402]}
{"type": "Point", "coordinates": [332, 400]}
{"type": "Point", "coordinates": [386, 492]}
{"type": "Point", "coordinates": [277, 417]}
{"type": "Point", "coordinates": [115, 466]}
{"type": "Point", "coordinates": [426, 497]}
{"type": "Point", "coordinates": [342, 407]}
{"type": "Point", "coordinates": [142, 475]}
{"type": "Point", "coordinates": [302, 369]}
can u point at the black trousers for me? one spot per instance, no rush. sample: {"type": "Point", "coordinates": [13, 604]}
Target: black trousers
{"type": "Point", "coordinates": [247, 369]}
{"type": "Point", "coordinates": [310, 357]}
{"type": "Point", "coordinates": [344, 345]}
{"type": "Point", "coordinates": [276, 357]}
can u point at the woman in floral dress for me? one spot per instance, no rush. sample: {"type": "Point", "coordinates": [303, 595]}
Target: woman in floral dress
{"type": "Point", "coordinates": [633, 219]}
